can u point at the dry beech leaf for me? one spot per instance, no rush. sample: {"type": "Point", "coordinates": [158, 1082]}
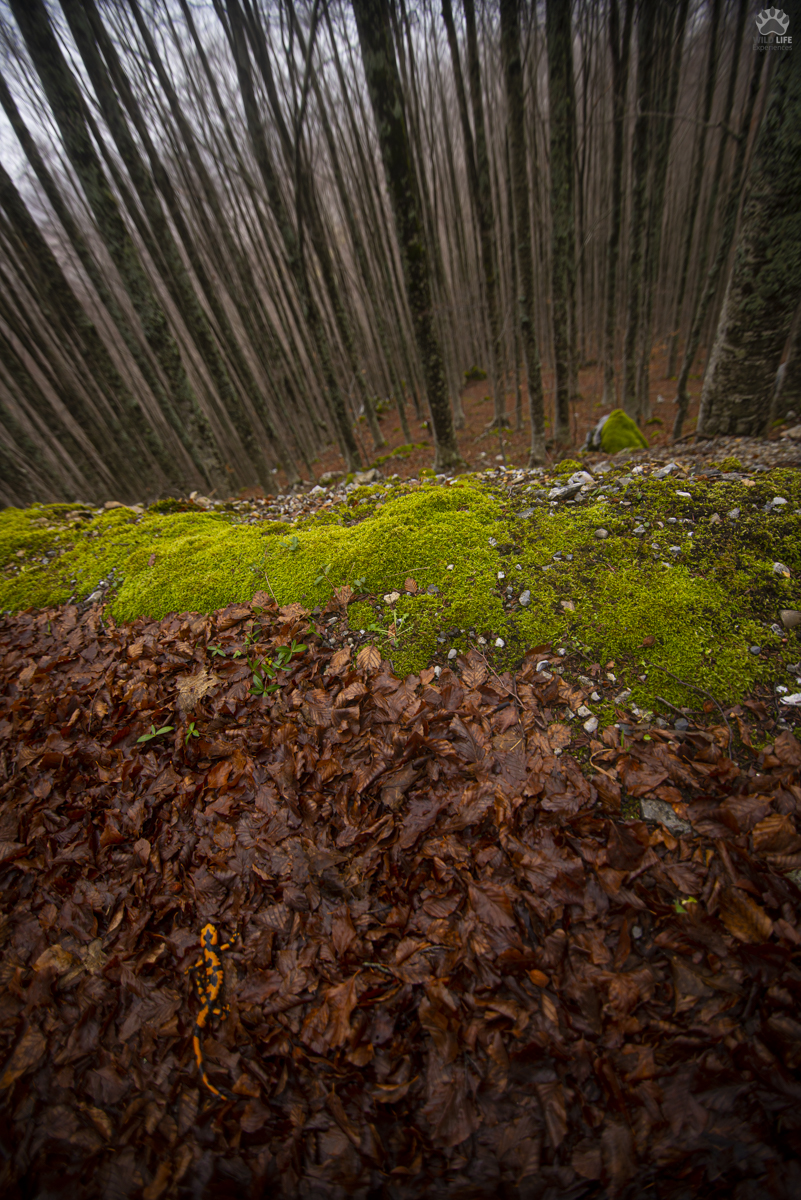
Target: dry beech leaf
{"type": "Point", "coordinates": [26, 1054]}
{"type": "Point", "coordinates": [474, 675]}
{"type": "Point", "coordinates": [290, 612]}
{"type": "Point", "coordinates": [339, 660]}
{"type": "Point", "coordinates": [743, 917]}
{"type": "Point", "coordinates": [194, 688]}
{"type": "Point", "coordinates": [410, 586]}
{"type": "Point", "coordinates": [368, 658]}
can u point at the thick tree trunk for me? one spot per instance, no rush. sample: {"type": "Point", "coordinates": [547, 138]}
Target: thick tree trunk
{"type": "Point", "coordinates": [765, 284]}
{"type": "Point", "coordinates": [560, 75]}
{"type": "Point", "coordinates": [384, 87]}
{"type": "Point", "coordinates": [513, 74]}
{"type": "Point", "coordinates": [787, 397]}
{"type": "Point", "coordinates": [620, 75]}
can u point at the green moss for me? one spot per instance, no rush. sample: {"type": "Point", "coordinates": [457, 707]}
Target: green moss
{"type": "Point", "coordinates": [620, 432]}
{"type": "Point", "coordinates": [568, 466]}
{"type": "Point", "coordinates": [731, 464]}
{"type": "Point", "coordinates": [717, 597]}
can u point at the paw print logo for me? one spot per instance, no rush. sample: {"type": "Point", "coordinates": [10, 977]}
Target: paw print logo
{"type": "Point", "coordinates": [772, 20]}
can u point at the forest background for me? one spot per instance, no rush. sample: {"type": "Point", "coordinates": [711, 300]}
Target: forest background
{"type": "Point", "coordinates": [235, 234]}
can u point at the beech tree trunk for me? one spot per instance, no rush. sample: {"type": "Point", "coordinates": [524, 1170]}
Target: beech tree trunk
{"type": "Point", "coordinates": [513, 74]}
{"type": "Point", "coordinates": [620, 50]}
{"type": "Point", "coordinates": [765, 284]}
{"type": "Point", "coordinates": [381, 72]}
{"type": "Point", "coordinates": [560, 76]}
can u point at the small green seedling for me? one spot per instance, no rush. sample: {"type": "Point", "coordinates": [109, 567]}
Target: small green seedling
{"type": "Point", "coordinates": [191, 732]}
{"type": "Point", "coordinates": [154, 733]}
{"type": "Point", "coordinates": [679, 904]}
{"type": "Point", "coordinates": [292, 545]}
{"type": "Point", "coordinates": [217, 650]}
{"type": "Point", "coordinates": [359, 584]}
{"type": "Point", "coordinates": [322, 576]}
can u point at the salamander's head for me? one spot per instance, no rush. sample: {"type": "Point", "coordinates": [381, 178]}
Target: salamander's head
{"type": "Point", "coordinates": [208, 937]}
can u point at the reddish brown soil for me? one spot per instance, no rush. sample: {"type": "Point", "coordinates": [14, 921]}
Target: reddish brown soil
{"type": "Point", "coordinates": [475, 439]}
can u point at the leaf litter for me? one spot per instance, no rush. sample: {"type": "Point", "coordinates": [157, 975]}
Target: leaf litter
{"type": "Point", "coordinates": [455, 968]}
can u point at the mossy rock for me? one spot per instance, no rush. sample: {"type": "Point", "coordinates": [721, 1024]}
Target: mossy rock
{"type": "Point", "coordinates": [731, 464]}
{"type": "Point", "coordinates": [621, 433]}
{"type": "Point", "coordinates": [568, 466]}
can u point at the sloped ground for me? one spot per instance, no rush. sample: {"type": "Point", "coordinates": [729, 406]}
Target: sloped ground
{"type": "Point", "coordinates": [461, 972]}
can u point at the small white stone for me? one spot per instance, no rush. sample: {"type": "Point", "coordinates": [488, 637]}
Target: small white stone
{"type": "Point", "coordinates": [583, 711]}
{"type": "Point", "coordinates": [543, 664]}
{"type": "Point", "coordinates": [561, 652]}
{"type": "Point", "coordinates": [501, 575]}
{"type": "Point", "coordinates": [685, 495]}
{"type": "Point", "coordinates": [437, 671]}
{"type": "Point", "coordinates": [636, 932]}
{"type": "Point", "coordinates": [595, 696]}
{"type": "Point", "coordinates": [391, 597]}
{"type": "Point", "coordinates": [482, 641]}
{"type": "Point", "coordinates": [500, 642]}
{"type": "Point", "coordinates": [449, 567]}
{"type": "Point", "coordinates": [590, 725]}
{"type": "Point", "coordinates": [452, 653]}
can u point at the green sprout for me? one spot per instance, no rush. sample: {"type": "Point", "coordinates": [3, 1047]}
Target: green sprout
{"type": "Point", "coordinates": [191, 732]}
{"type": "Point", "coordinates": [154, 733]}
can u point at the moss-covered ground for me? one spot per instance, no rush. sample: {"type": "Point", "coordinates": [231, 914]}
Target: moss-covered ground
{"type": "Point", "coordinates": [699, 592]}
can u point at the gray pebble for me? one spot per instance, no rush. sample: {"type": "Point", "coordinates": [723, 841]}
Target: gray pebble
{"type": "Point", "coordinates": [734, 514]}
{"type": "Point", "coordinates": [433, 590]}
{"type": "Point", "coordinates": [525, 598]}
{"type": "Point", "coordinates": [601, 534]}
{"type": "Point", "coordinates": [755, 650]}
{"type": "Point", "coordinates": [681, 723]}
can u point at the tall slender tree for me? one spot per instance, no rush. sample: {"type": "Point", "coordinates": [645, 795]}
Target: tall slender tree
{"type": "Point", "coordinates": [560, 79]}
{"type": "Point", "coordinates": [513, 75]}
{"type": "Point", "coordinates": [383, 84]}
{"type": "Point", "coordinates": [620, 50]}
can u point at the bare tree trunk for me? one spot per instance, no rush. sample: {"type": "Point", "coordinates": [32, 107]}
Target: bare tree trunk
{"type": "Point", "coordinates": [702, 255]}
{"type": "Point", "coordinates": [639, 165]}
{"type": "Point", "coordinates": [765, 284]}
{"type": "Point", "coordinates": [670, 42]}
{"type": "Point", "coordinates": [513, 74]}
{"type": "Point", "coordinates": [696, 182]}
{"type": "Point", "coordinates": [620, 73]}
{"type": "Point", "coordinates": [384, 87]}
{"type": "Point", "coordinates": [560, 75]}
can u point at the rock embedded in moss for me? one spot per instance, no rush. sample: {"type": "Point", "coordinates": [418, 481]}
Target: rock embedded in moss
{"type": "Point", "coordinates": [621, 433]}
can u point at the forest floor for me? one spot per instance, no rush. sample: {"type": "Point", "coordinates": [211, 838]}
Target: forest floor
{"type": "Point", "coordinates": [480, 447]}
{"type": "Point", "coordinates": [477, 947]}
{"type": "Point", "coordinates": [460, 965]}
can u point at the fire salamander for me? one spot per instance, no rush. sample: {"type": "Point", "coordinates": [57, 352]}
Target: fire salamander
{"type": "Point", "coordinates": [207, 973]}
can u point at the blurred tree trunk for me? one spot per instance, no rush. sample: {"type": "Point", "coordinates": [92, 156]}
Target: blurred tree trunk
{"type": "Point", "coordinates": [639, 170]}
{"type": "Point", "coordinates": [478, 175]}
{"type": "Point", "coordinates": [513, 74]}
{"type": "Point", "coordinates": [696, 181]}
{"type": "Point", "coordinates": [383, 84]}
{"type": "Point", "coordinates": [765, 284]}
{"type": "Point", "coordinates": [560, 79]}
{"type": "Point", "coordinates": [70, 113]}
{"type": "Point", "coordinates": [620, 50]}
{"type": "Point", "coordinates": [667, 69]}
{"type": "Point", "coordinates": [702, 255]}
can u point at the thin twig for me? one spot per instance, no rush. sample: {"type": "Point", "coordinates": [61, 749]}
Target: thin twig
{"type": "Point", "coordinates": [270, 586]}
{"type": "Point", "coordinates": [693, 687]}
{"type": "Point", "coordinates": [662, 700]}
